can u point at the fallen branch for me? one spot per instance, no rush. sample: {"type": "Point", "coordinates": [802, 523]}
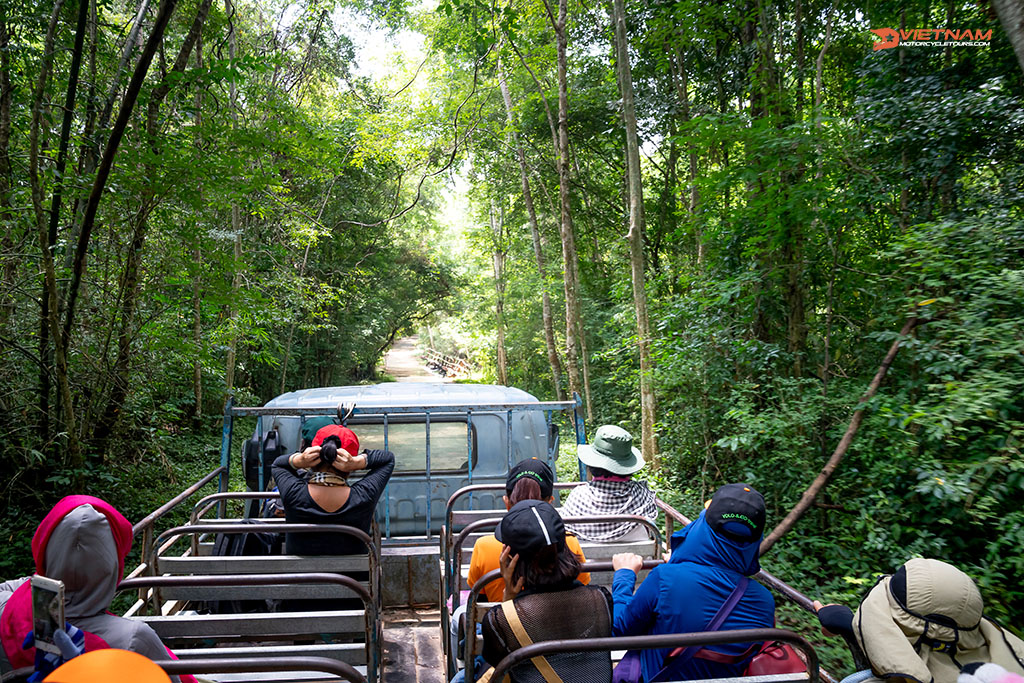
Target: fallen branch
{"type": "Point", "coordinates": [807, 499]}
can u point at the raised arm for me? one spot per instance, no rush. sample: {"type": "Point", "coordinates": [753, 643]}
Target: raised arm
{"type": "Point", "coordinates": [285, 469]}
{"type": "Point", "coordinates": [380, 464]}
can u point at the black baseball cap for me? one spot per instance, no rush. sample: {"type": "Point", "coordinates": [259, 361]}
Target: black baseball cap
{"type": "Point", "coordinates": [529, 526]}
{"type": "Point", "coordinates": [535, 469]}
{"type": "Point", "coordinates": [736, 511]}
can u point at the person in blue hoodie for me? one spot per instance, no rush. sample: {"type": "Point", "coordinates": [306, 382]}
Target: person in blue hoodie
{"type": "Point", "coordinates": [709, 558]}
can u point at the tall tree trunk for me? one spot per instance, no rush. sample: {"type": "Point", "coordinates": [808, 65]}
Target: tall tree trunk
{"type": "Point", "coordinates": [62, 150]}
{"type": "Point", "coordinates": [538, 242]}
{"type": "Point", "coordinates": [302, 274]}
{"type": "Point", "coordinates": [236, 226]}
{"type": "Point", "coordinates": [7, 306]}
{"type": "Point", "coordinates": [197, 261]}
{"type": "Point", "coordinates": [636, 235]}
{"type": "Point", "coordinates": [291, 327]}
{"type": "Point", "coordinates": [49, 327]}
{"type": "Point", "coordinates": [94, 129]}
{"type": "Point", "coordinates": [798, 19]}
{"type": "Point", "coordinates": [498, 260]}
{"type": "Point", "coordinates": [236, 286]}
{"type": "Point", "coordinates": [197, 337]}
{"type": "Point", "coordinates": [1011, 16]}
{"type": "Point", "coordinates": [130, 282]}
{"type": "Point", "coordinates": [163, 16]}
{"type": "Point", "coordinates": [573, 316]}
{"type": "Point", "coordinates": [681, 81]}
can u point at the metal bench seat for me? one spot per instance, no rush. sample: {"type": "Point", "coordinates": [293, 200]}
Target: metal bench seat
{"type": "Point", "coordinates": [256, 626]}
{"type": "Point", "coordinates": [351, 635]}
{"type": "Point", "coordinates": [351, 653]}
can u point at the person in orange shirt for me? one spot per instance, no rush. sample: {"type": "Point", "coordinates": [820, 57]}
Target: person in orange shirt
{"type": "Point", "coordinates": [529, 479]}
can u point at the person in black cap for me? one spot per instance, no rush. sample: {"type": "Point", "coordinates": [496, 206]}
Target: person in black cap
{"type": "Point", "coordinates": [711, 560]}
{"type": "Point", "coordinates": [544, 600]}
{"type": "Point", "coordinates": [529, 479]}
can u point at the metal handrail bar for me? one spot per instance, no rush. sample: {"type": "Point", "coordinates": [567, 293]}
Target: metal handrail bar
{"type": "Point", "coordinates": [362, 409]}
{"type": "Point", "coordinates": [449, 509]}
{"type": "Point", "coordinates": [213, 498]}
{"type": "Point", "coordinates": [478, 587]}
{"type": "Point", "coordinates": [766, 578]}
{"type": "Point", "coordinates": [448, 361]}
{"type": "Point", "coordinates": [373, 551]}
{"type": "Point", "coordinates": [664, 640]}
{"type": "Point", "coordinates": [232, 528]}
{"type": "Point", "coordinates": [252, 580]}
{"type": "Point", "coordinates": [456, 554]}
{"type": "Point", "coordinates": [223, 665]}
{"type": "Point", "coordinates": [152, 517]}
{"type": "Point", "coordinates": [371, 631]}
{"type": "Point", "coordinates": [145, 525]}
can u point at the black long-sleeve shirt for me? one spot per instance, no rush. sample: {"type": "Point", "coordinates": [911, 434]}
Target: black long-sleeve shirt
{"type": "Point", "coordinates": [300, 508]}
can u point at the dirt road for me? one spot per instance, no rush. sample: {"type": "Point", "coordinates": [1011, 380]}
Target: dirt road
{"type": "Point", "coordinates": [404, 364]}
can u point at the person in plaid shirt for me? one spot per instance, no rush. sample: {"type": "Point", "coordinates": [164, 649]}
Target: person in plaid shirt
{"type": "Point", "coordinates": [611, 460]}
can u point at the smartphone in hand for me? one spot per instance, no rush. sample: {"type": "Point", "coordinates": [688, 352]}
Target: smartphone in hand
{"type": "Point", "coordinates": [47, 611]}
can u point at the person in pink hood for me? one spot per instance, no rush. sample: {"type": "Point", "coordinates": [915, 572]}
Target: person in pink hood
{"type": "Point", "coordinates": [82, 541]}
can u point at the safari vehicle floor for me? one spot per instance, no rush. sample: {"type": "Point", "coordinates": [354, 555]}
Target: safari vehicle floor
{"type": "Point", "coordinates": [412, 646]}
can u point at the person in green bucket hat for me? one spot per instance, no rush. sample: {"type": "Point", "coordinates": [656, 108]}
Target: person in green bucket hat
{"type": "Point", "coordinates": [611, 461]}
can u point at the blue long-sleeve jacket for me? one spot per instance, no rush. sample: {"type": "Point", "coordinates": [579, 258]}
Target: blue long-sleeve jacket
{"type": "Point", "coordinates": [684, 595]}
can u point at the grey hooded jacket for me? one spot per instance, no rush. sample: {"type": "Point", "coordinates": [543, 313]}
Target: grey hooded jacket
{"type": "Point", "coordinates": [81, 553]}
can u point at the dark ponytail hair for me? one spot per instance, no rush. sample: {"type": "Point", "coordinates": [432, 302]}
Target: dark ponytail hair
{"type": "Point", "coordinates": [526, 488]}
{"type": "Point", "coordinates": [553, 565]}
{"type": "Point", "coordinates": [329, 451]}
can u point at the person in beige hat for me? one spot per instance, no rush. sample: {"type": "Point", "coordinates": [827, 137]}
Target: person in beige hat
{"type": "Point", "coordinates": [924, 623]}
{"type": "Point", "coordinates": [611, 461]}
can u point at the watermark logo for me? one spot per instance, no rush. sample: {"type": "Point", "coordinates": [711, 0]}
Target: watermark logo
{"type": "Point", "coordinates": [932, 37]}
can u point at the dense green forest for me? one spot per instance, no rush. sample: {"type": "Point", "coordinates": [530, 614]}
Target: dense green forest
{"type": "Point", "coordinates": [712, 220]}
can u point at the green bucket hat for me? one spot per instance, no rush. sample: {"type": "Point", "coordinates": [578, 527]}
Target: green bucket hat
{"type": "Point", "coordinates": [612, 450]}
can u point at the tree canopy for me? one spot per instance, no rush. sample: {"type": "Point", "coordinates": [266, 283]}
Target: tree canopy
{"type": "Point", "coordinates": [712, 220]}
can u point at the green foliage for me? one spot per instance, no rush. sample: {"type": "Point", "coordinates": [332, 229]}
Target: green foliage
{"type": "Point", "coordinates": [793, 223]}
{"type": "Point", "coordinates": [814, 232]}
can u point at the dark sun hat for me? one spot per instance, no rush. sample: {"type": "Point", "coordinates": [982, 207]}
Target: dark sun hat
{"type": "Point", "coordinates": [612, 450]}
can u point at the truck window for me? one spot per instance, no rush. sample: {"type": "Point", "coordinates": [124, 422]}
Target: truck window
{"type": "Point", "coordinates": [407, 441]}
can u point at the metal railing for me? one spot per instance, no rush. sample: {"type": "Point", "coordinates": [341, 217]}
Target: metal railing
{"type": "Point", "coordinates": [344, 412]}
{"type": "Point", "coordinates": [664, 640]}
{"type": "Point", "coordinates": [774, 583]}
{"type": "Point", "coordinates": [372, 624]}
{"type": "Point", "coordinates": [482, 524]}
{"type": "Point", "coordinates": [145, 525]}
{"type": "Point", "coordinates": [223, 665]}
{"type": "Point", "coordinates": [452, 365]}
{"type": "Point", "coordinates": [206, 503]}
{"type": "Point", "coordinates": [449, 510]}
{"type": "Point", "coordinates": [373, 549]}
{"type": "Point", "coordinates": [494, 574]}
